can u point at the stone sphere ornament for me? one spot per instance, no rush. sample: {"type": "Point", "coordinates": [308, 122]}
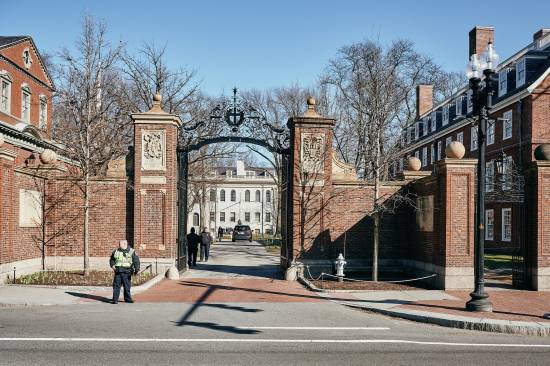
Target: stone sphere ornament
{"type": "Point", "coordinates": [455, 150]}
{"type": "Point", "coordinates": [542, 152]}
{"type": "Point", "coordinates": [414, 163]}
{"type": "Point", "coordinates": [48, 156]}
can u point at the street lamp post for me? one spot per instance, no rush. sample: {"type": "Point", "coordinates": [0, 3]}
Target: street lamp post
{"type": "Point", "coordinates": [482, 92]}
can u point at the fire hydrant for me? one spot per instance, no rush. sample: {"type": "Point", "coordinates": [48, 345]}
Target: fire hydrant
{"type": "Point", "coordinates": [339, 264]}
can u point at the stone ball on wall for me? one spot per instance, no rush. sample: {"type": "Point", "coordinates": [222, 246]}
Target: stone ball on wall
{"type": "Point", "coordinates": [413, 163]}
{"type": "Point", "coordinates": [455, 150]}
{"type": "Point", "coordinates": [1, 139]}
{"type": "Point", "coordinates": [542, 152]}
{"type": "Point", "coordinates": [48, 156]}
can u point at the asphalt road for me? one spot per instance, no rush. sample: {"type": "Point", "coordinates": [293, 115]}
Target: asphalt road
{"type": "Point", "coordinates": [245, 333]}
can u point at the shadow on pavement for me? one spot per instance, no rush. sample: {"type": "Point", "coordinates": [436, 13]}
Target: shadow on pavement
{"type": "Point", "coordinates": [89, 296]}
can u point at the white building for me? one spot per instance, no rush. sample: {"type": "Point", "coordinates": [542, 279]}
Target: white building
{"type": "Point", "coordinates": [238, 195]}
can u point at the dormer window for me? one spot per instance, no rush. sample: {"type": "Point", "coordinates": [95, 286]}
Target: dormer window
{"type": "Point", "coordinates": [27, 59]}
{"type": "Point", "coordinates": [26, 104]}
{"type": "Point", "coordinates": [424, 128]}
{"type": "Point", "coordinates": [458, 106]}
{"type": "Point", "coordinates": [445, 115]}
{"type": "Point", "coordinates": [433, 117]}
{"type": "Point", "coordinates": [5, 93]}
{"type": "Point", "coordinates": [43, 118]}
{"type": "Point", "coordinates": [520, 72]}
{"type": "Point", "coordinates": [469, 104]}
{"type": "Point", "coordinates": [416, 130]}
{"type": "Point", "coordinates": [502, 83]}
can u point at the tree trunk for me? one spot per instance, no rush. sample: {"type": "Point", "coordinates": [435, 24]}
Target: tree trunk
{"type": "Point", "coordinates": [376, 229]}
{"type": "Point", "coordinates": [86, 231]}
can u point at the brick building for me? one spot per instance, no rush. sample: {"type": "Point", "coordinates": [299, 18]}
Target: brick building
{"type": "Point", "coordinates": [521, 115]}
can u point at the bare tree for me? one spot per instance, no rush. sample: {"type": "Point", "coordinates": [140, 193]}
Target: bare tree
{"type": "Point", "coordinates": [374, 87]}
{"type": "Point", "coordinates": [91, 117]}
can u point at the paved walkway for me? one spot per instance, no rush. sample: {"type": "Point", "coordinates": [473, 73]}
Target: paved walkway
{"type": "Point", "coordinates": [235, 272]}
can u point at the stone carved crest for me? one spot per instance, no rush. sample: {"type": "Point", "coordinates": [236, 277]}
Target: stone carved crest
{"type": "Point", "coordinates": [153, 150]}
{"type": "Point", "coordinates": [312, 151]}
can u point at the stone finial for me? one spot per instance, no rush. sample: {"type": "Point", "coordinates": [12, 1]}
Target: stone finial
{"type": "Point", "coordinates": [48, 156]}
{"type": "Point", "coordinates": [455, 150]}
{"type": "Point", "coordinates": [413, 163]}
{"type": "Point", "coordinates": [311, 112]}
{"type": "Point", "coordinates": [157, 99]}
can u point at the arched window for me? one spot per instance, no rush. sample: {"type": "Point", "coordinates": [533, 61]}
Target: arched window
{"type": "Point", "coordinates": [222, 195]}
{"type": "Point", "coordinates": [258, 196]}
{"type": "Point", "coordinates": [247, 196]}
{"type": "Point", "coordinates": [233, 195]}
{"type": "Point", "coordinates": [212, 195]}
{"type": "Point", "coordinates": [5, 92]}
{"type": "Point", "coordinates": [196, 219]}
{"type": "Point", "coordinates": [268, 196]}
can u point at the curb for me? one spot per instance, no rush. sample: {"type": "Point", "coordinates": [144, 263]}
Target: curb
{"type": "Point", "coordinates": [462, 322]}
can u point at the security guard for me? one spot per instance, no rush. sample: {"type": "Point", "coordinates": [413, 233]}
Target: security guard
{"type": "Point", "coordinates": [124, 262]}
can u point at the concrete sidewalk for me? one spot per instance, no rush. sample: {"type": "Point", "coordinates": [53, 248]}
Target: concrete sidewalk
{"type": "Point", "coordinates": [514, 312]}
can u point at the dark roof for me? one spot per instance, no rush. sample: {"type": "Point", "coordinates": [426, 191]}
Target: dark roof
{"type": "Point", "coordinates": [8, 40]}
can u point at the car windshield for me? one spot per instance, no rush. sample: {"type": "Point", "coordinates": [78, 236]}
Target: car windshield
{"type": "Point", "coordinates": [242, 228]}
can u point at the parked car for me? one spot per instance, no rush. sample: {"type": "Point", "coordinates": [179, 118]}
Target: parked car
{"type": "Point", "coordinates": [242, 232]}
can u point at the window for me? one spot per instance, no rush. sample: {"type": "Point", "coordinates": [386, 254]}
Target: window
{"type": "Point", "coordinates": [268, 196]}
{"type": "Point", "coordinates": [508, 164]}
{"type": "Point", "coordinates": [507, 125]}
{"type": "Point", "coordinates": [473, 138]}
{"type": "Point", "coordinates": [448, 140]}
{"type": "Point", "coordinates": [434, 124]}
{"type": "Point", "coordinates": [258, 196]}
{"type": "Point", "coordinates": [490, 132]}
{"type": "Point", "coordinates": [424, 128]}
{"type": "Point", "coordinates": [439, 150]}
{"type": "Point", "coordinates": [212, 195]}
{"type": "Point", "coordinates": [469, 104]}
{"type": "Point", "coordinates": [445, 115]}
{"type": "Point", "coordinates": [489, 224]}
{"type": "Point", "coordinates": [212, 216]}
{"type": "Point", "coordinates": [268, 217]}
{"type": "Point", "coordinates": [5, 93]}
{"type": "Point", "coordinates": [424, 156]}
{"type": "Point", "coordinates": [460, 137]}
{"type": "Point", "coordinates": [416, 130]}
{"type": "Point", "coordinates": [222, 195]}
{"type": "Point", "coordinates": [233, 195]}
{"type": "Point", "coordinates": [196, 219]}
{"type": "Point", "coordinates": [458, 106]}
{"type": "Point", "coordinates": [25, 104]}
{"type": "Point", "coordinates": [502, 82]}
{"type": "Point", "coordinates": [27, 59]}
{"type": "Point", "coordinates": [247, 196]}
{"type": "Point", "coordinates": [432, 155]}
{"type": "Point", "coordinates": [222, 216]}
{"type": "Point", "coordinates": [489, 176]}
{"type": "Point", "coordinates": [43, 117]}
{"type": "Point", "coordinates": [232, 216]}
{"type": "Point", "coordinates": [416, 154]}
{"type": "Point", "coordinates": [506, 227]}
{"type": "Point", "coordinates": [30, 214]}
{"type": "Point", "coordinates": [247, 216]}
{"type": "Point", "coordinates": [520, 73]}
{"type": "Point", "coordinates": [257, 216]}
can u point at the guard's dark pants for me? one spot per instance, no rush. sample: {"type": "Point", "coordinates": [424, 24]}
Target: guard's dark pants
{"type": "Point", "coordinates": [192, 259]}
{"type": "Point", "coordinates": [205, 249]}
{"type": "Point", "coordinates": [122, 278]}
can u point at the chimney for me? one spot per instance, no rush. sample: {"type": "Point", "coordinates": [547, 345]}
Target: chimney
{"type": "Point", "coordinates": [479, 37]}
{"type": "Point", "coordinates": [541, 33]}
{"type": "Point", "coordinates": [424, 99]}
{"type": "Point", "coordinates": [240, 168]}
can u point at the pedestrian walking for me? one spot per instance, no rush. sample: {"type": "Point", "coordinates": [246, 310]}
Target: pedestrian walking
{"type": "Point", "coordinates": [193, 241]}
{"type": "Point", "coordinates": [220, 233]}
{"type": "Point", "coordinates": [206, 240]}
{"type": "Point", "coordinates": [124, 261]}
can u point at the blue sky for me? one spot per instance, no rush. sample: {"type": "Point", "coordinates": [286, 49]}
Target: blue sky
{"type": "Point", "coordinates": [261, 44]}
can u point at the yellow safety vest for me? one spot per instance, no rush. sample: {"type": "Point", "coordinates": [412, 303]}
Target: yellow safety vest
{"type": "Point", "coordinates": [123, 259]}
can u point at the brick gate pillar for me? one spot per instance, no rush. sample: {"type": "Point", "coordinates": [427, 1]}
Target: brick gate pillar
{"type": "Point", "coordinates": [7, 204]}
{"type": "Point", "coordinates": [311, 183]}
{"type": "Point", "coordinates": [155, 185]}
{"type": "Point", "coordinates": [538, 225]}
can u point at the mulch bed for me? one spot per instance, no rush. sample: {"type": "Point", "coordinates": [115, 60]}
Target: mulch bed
{"type": "Point", "coordinates": [76, 278]}
{"type": "Point", "coordinates": [348, 285]}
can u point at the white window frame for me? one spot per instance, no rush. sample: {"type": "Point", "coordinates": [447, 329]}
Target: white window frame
{"type": "Point", "coordinates": [445, 118]}
{"type": "Point", "coordinates": [490, 132]}
{"type": "Point", "coordinates": [222, 216]}
{"type": "Point", "coordinates": [506, 212]}
{"type": "Point", "coordinates": [439, 143]}
{"type": "Point", "coordinates": [5, 92]}
{"type": "Point", "coordinates": [433, 123]}
{"type": "Point", "coordinates": [433, 117]}
{"type": "Point", "coordinates": [458, 106]}
{"type": "Point", "coordinates": [489, 176]}
{"type": "Point", "coordinates": [424, 127]}
{"type": "Point", "coordinates": [416, 130]}
{"type": "Point", "coordinates": [43, 112]}
{"type": "Point", "coordinates": [489, 215]}
{"type": "Point", "coordinates": [469, 104]}
{"type": "Point", "coordinates": [448, 141]}
{"type": "Point", "coordinates": [25, 108]}
{"type": "Point", "coordinates": [520, 72]}
{"type": "Point", "coordinates": [460, 137]}
{"type": "Point", "coordinates": [425, 156]}
{"type": "Point", "coordinates": [432, 154]}
{"type": "Point", "coordinates": [473, 138]}
{"type": "Point", "coordinates": [416, 154]}
{"type": "Point", "coordinates": [502, 82]}
{"type": "Point", "coordinates": [507, 125]}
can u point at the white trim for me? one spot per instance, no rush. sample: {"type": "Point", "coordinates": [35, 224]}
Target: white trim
{"type": "Point", "coordinates": [502, 230]}
{"type": "Point", "coordinates": [502, 80]}
{"type": "Point", "coordinates": [490, 132]}
{"type": "Point", "coordinates": [507, 118]}
{"type": "Point", "coordinates": [520, 80]}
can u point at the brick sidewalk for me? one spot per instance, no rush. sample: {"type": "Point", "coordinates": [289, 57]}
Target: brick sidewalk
{"type": "Point", "coordinates": [514, 305]}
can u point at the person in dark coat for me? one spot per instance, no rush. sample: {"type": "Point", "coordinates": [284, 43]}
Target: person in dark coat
{"type": "Point", "coordinates": [206, 240]}
{"type": "Point", "coordinates": [124, 261]}
{"type": "Point", "coordinates": [220, 233]}
{"type": "Point", "coordinates": [193, 241]}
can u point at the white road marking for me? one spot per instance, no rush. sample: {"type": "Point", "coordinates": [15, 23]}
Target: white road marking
{"type": "Point", "coordinates": [316, 328]}
{"type": "Point", "coordinates": [259, 340]}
